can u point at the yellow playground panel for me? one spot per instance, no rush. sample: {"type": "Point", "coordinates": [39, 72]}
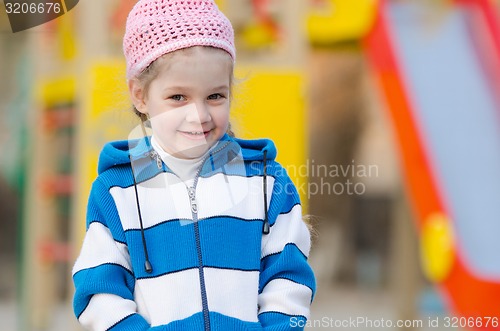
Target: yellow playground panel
{"type": "Point", "coordinates": [105, 115]}
{"type": "Point", "coordinates": [331, 21]}
{"type": "Point", "coordinates": [270, 103]}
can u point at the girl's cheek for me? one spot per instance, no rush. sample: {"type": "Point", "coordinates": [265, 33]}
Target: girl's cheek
{"type": "Point", "coordinates": [159, 122]}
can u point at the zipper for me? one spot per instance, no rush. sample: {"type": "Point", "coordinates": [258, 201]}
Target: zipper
{"type": "Point", "coordinates": [155, 156]}
{"type": "Point", "coordinates": [192, 200]}
{"type": "Point", "coordinates": [194, 213]}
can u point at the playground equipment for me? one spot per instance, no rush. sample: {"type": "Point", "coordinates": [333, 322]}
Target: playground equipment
{"type": "Point", "coordinates": [439, 71]}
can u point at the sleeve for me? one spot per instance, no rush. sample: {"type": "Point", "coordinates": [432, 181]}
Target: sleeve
{"type": "Point", "coordinates": [102, 273]}
{"type": "Point", "coordinates": [287, 284]}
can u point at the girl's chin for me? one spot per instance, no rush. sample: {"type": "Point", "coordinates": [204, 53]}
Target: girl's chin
{"type": "Point", "coordinates": [193, 152]}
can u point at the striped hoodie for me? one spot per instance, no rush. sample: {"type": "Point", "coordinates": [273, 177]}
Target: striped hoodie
{"type": "Point", "coordinates": [225, 252]}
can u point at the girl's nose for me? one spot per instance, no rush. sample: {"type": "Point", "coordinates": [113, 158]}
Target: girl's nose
{"type": "Point", "coordinates": [198, 113]}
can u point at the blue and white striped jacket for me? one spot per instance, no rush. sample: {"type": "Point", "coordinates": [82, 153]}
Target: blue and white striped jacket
{"type": "Point", "coordinates": [160, 255]}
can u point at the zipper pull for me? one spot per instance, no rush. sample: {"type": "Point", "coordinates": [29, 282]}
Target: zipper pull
{"type": "Point", "coordinates": [192, 199]}
{"type": "Point", "coordinates": [154, 155]}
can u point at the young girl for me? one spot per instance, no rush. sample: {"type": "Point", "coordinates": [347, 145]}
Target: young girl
{"type": "Point", "coordinates": [190, 229]}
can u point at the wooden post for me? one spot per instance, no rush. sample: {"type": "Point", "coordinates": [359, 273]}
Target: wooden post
{"type": "Point", "coordinates": [406, 279]}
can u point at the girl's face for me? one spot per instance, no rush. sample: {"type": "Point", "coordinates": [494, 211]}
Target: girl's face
{"type": "Point", "coordinates": [188, 101]}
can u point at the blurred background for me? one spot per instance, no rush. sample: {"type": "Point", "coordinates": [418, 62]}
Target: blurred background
{"type": "Point", "coordinates": [386, 115]}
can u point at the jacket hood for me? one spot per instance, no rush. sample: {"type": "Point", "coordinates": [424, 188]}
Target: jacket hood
{"type": "Point", "coordinates": [124, 151]}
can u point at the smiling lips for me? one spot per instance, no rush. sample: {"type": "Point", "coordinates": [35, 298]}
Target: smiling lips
{"type": "Point", "coordinates": [195, 135]}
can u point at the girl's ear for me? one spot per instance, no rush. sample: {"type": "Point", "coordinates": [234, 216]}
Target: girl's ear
{"type": "Point", "coordinates": [137, 94]}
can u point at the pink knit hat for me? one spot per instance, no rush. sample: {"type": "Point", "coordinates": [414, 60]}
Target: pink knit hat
{"type": "Point", "coordinates": [157, 27]}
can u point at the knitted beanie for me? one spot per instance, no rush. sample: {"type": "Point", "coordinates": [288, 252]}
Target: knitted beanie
{"type": "Point", "coordinates": [158, 27]}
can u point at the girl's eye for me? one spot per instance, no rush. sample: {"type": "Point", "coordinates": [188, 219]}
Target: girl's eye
{"type": "Point", "coordinates": [215, 96]}
{"type": "Point", "coordinates": [178, 97]}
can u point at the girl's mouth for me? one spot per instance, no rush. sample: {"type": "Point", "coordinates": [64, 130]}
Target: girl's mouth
{"type": "Point", "coordinates": [195, 135]}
